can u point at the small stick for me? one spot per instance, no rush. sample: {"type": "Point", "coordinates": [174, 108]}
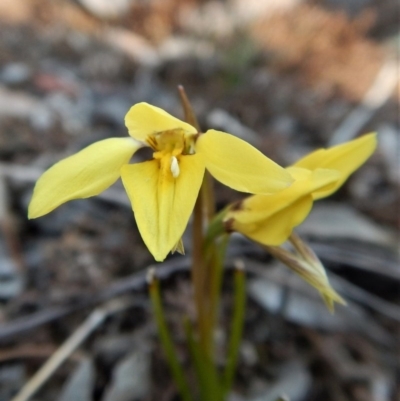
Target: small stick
{"type": "Point", "coordinates": [133, 282]}
{"type": "Point", "coordinates": [94, 320]}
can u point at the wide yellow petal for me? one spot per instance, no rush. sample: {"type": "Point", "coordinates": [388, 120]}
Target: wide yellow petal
{"type": "Point", "coordinates": [345, 158]}
{"type": "Point", "coordinates": [163, 204]}
{"type": "Point", "coordinates": [276, 229]}
{"type": "Point", "coordinates": [239, 165]}
{"type": "Point", "coordinates": [84, 174]}
{"type": "Point", "coordinates": [144, 119]}
{"type": "Point", "coordinates": [258, 207]}
{"type": "Point", "coordinates": [269, 219]}
{"type": "Point", "coordinates": [320, 179]}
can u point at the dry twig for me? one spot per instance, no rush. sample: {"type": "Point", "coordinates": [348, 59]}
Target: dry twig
{"type": "Point", "coordinates": [93, 321]}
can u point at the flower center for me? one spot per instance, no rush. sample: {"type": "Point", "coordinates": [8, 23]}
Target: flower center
{"type": "Point", "coordinates": [168, 146]}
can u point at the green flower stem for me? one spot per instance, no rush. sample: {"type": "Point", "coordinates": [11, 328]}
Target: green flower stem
{"type": "Point", "coordinates": [215, 244]}
{"type": "Point", "coordinates": [166, 340]}
{"type": "Point", "coordinates": [236, 329]}
{"type": "Point", "coordinates": [215, 228]}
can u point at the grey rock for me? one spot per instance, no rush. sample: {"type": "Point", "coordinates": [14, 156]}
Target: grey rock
{"type": "Point", "coordinates": [131, 378]}
{"type": "Point", "coordinates": [15, 73]}
{"type": "Point", "coordinates": [12, 378]}
{"type": "Point", "coordinates": [352, 7]}
{"type": "Point", "coordinates": [389, 139]}
{"type": "Point", "coordinates": [113, 108]}
{"type": "Point", "coordinates": [293, 384]}
{"type": "Point", "coordinates": [334, 220]}
{"type": "Point", "coordinates": [280, 291]}
{"type": "Point", "coordinates": [11, 283]}
{"type": "Point", "coordinates": [107, 9]}
{"type": "Point", "coordinates": [221, 119]}
{"type": "Point", "coordinates": [80, 384]}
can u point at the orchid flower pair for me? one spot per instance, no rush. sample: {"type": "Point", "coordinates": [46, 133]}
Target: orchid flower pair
{"type": "Point", "coordinates": [163, 190]}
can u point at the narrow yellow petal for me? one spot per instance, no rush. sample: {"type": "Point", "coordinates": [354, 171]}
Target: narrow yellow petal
{"type": "Point", "coordinates": [345, 158]}
{"type": "Point", "coordinates": [239, 165]}
{"type": "Point", "coordinates": [163, 204]}
{"type": "Point", "coordinates": [144, 119]}
{"type": "Point", "coordinates": [84, 174]}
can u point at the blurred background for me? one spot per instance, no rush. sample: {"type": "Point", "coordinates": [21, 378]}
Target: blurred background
{"type": "Point", "coordinates": [288, 77]}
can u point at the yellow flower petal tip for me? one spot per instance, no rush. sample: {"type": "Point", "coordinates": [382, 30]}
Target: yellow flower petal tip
{"type": "Point", "coordinates": [143, 120]}
{"type": "Point", "coordinates": [239, 165]}
{"type": "Point", "coordinates": [346, 158]}
{"type": "Point", "coordinates": [82, 175]}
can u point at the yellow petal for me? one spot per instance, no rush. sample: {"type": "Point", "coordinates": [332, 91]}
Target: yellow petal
{"type": "Point", "coordinates": [144, 119]}
{"type": "Point", "coordinates": [258, 207]}
{"type": "Point", "coordinates": [239, 165]}
{"type": "Point", "coordinates": [345, 158]}
{"type": "Point", "coordinates": [269, 219]}
{"type": "Point", "coordinates": [163, 204]}
{"type": "Point", "coordinates": [319, 180]}
{"type": "Point", "coordinates": [276, 229]}
{"type": "Point", "coordinates": [87, 173]}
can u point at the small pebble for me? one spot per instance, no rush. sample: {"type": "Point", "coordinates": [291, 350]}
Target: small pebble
{"type": "Point", "coordinates": [15, 74]}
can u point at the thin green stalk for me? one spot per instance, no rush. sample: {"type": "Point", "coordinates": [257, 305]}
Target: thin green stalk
{"type": "Point", "coordinates": [166, 340]}
{"type": "Point", "coordinates": [210, 388]}
{"type": "Point", "coordinates": [237, 327]}
{"type": "Point", "coordinates": [215, 244]}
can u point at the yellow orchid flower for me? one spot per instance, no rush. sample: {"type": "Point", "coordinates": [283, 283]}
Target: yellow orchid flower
{"type": "Point", "coordinates": [163, 190]}
{"type": "Point", "coordinates": [270, 219]}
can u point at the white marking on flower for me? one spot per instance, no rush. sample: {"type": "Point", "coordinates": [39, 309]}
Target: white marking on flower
{"type": "Point", "coordinates": [175, 167]}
